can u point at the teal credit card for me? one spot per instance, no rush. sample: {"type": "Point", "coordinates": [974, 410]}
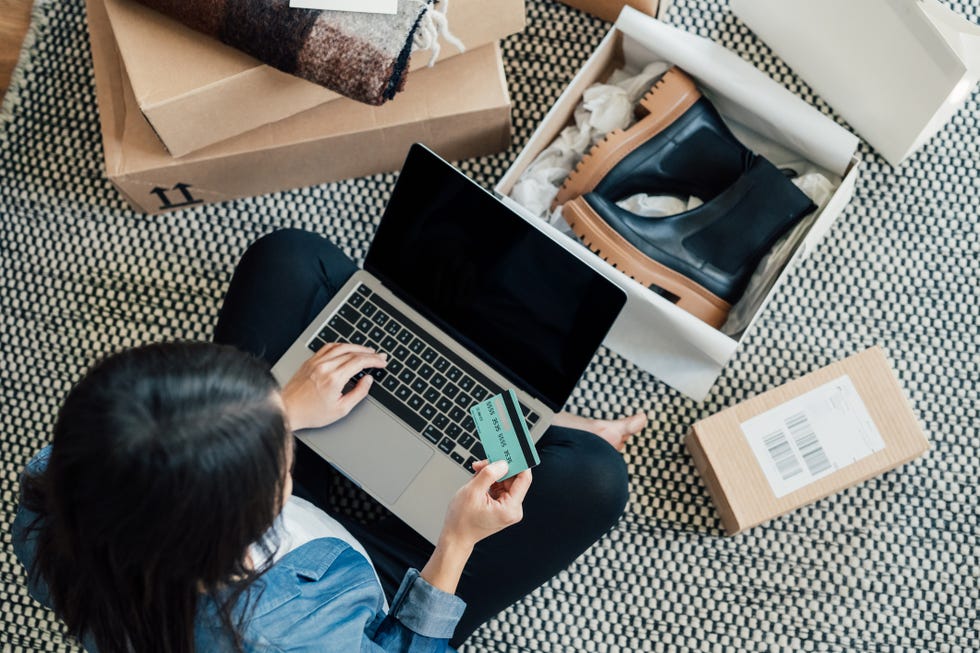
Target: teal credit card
{"type": "Point", "coordinates": [504, 434]}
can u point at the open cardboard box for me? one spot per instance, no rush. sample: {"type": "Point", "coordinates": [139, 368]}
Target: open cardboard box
{"type": "Point", "coordinates": [196, 91]}
{"type": "Point", "coordinates": [896, 70]}
{"type": "Point", "coordinates": [652, 332]}
{"type": "Point", "coordinates": [460, 109]}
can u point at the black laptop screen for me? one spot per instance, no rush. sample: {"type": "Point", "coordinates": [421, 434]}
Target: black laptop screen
{"type": "Point", "coordinates": [520, 301]}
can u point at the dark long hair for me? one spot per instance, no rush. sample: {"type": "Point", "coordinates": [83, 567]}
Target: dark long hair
{"type": "Point", "coordinates": [167, 462]}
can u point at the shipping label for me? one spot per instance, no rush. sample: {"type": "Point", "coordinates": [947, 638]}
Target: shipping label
{"type": "Point", "coordinates": [812, 436]}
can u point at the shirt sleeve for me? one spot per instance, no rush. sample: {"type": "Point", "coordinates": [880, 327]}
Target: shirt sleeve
{"type": "Point", "coordinates": [425, 609]}
{"type": "Point", "coordinates": [24, 535]}
{"type": "Point", "coordinates": [422, 618]}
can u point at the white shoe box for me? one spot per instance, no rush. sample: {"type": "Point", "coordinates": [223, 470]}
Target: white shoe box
{"type": "Point", "coordinates": [652, 332]}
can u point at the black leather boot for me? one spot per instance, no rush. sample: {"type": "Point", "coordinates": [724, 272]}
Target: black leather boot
{"type": "Point", "coordinates": [703, 258]}
{"type": "Point", "coordinates": [681, 147]}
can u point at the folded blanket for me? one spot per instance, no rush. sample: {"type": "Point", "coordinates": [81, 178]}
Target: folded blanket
{"type": "Point", "coordinates": [362, 56]}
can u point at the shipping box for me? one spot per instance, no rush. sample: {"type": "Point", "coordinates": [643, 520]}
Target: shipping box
{"type": "Point", "coordinates": [807, 439]}
{"type": "Point", "coordinates": [460, 109]}
{"type": "Point", "coordinates": [195, 91]}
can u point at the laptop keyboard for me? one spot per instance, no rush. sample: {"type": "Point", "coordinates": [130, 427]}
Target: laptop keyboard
{"type": "Point", "coordinates": [425, 384]}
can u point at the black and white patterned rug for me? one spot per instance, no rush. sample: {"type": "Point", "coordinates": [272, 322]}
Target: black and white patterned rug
{"type": "Point", "coordinates": [890, 565]}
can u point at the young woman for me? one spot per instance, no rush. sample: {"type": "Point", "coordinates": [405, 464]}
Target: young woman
{"type": "Point", "coordinates": [164, 515]}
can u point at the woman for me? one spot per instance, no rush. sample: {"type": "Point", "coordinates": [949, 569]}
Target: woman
{"type": "Point", "coordinates": [164, 517]}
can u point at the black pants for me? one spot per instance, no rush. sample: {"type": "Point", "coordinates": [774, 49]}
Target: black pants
{"type": "Point", "coordinates": [578, 491]}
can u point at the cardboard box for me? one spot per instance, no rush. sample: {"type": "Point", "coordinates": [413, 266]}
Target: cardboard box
{"type": "Point", "coordinates": [896, 70]}
{"type": "Point", "coordinates": [196, 91]}
{"type": "Point", "coordinates": [460, 110]}
{"type": "Point", "coordinates": [652, 332]}
{"type": "Point", "coordinates": [847, 422]}
{"type": "Point", "coordinates": [609, 9]}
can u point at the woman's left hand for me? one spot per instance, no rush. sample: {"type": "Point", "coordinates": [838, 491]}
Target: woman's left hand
{"type": "Point", "coordinates": [314, 397]}
{"type": "Point", "coordinates": [480, 508]}
{"type": "Point", "coordinates": [485, 504]}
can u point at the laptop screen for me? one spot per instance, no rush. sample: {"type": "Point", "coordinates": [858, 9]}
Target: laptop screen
{"type": "Point", "coordinates": [502, 288]}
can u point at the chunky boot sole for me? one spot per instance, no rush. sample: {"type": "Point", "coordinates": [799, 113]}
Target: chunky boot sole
{"type": "Point", "coordinates": [670, 97]}
{"type": "Point", "coordinates": [606, 243]}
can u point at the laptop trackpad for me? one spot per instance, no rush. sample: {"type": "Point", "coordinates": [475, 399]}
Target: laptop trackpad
{"type": "Point", "coordinates": [377, 452]}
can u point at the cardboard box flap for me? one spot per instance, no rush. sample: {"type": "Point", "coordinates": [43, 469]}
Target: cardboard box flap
{"type": "Point", "coordinates": [895, 69]}
{"type": "Point", "coordinates": [475, 92]}
{"type": "Point", "coordinates": [739, 91]}
{"type": "Point", "coordinates": [190, 60]}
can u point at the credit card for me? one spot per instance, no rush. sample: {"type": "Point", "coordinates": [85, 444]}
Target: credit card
{"type": "Point", "coordinates": [504, 433]}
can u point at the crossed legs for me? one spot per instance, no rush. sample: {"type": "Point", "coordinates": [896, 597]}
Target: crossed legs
{"type": "Point", "coordinates": [579, 490]}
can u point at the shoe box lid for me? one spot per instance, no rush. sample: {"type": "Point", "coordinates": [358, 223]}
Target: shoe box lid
{"type": "Point", "coordinates": [651, 331]}
{"type": "Point", "coordinates": [896, 70]}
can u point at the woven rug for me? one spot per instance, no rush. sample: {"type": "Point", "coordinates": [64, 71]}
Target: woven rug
{"type": "Point", "coordinates": [891, 565]}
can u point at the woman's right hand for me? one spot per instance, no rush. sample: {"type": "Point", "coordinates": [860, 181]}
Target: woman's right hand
{"type": "Point", "coordinates": [314, 397]}
{"type": "Point", "coordinates": [485, 505]}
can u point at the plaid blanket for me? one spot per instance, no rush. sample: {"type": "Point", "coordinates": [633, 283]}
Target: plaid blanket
{"type": "Point", "coordinates": [362, 56]}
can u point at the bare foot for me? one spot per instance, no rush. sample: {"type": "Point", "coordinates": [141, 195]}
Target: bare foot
{"type": "Point", "coordinates": [616, 432]}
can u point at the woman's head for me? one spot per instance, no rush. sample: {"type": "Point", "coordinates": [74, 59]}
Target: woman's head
{"type": "Point", "coordinates": [167, 462]}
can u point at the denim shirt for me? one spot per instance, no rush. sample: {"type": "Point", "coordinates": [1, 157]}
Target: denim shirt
{"type": "Point", "coordinates": [322, 596]}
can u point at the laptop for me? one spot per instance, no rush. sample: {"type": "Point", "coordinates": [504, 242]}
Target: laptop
{"type": "Point", "coordinates": [469, 299]}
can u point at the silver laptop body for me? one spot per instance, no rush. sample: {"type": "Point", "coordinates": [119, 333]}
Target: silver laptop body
{"type": "Point", "coordinates": [413, 471]}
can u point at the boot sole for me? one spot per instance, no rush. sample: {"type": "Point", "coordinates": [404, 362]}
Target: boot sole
{"type": "Point", "coordinates": [606, 243]}
{"type": "Point", "coordinates": [667, 101]}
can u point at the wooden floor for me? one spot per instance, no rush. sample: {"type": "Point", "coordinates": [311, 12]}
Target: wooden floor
{"type": "Point", "coordinates": [14, 17]}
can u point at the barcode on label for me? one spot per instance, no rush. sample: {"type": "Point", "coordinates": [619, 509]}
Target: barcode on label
{"type": "Point", "coordinates": [806, 441]}
{"type": "Point", "coordinates": [782, 454]}
{"type": "Point", "coordinates": [812, 436]}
